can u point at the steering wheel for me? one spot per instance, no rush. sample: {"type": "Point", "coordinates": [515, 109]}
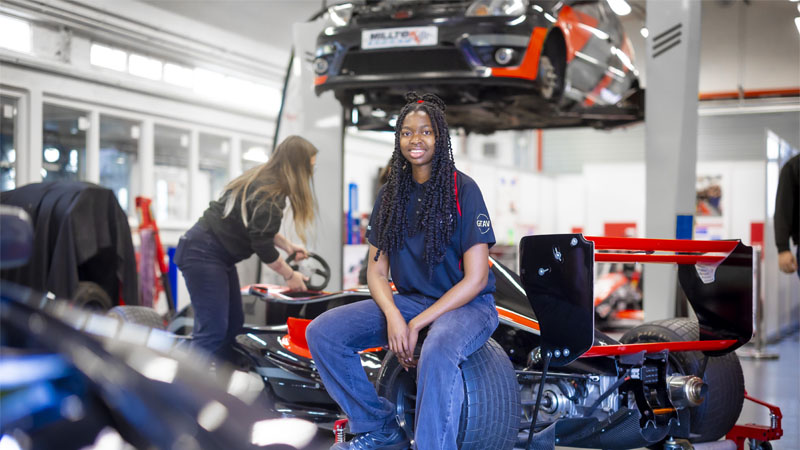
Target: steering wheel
{"type": "Point", "coordinates": [314, 267]}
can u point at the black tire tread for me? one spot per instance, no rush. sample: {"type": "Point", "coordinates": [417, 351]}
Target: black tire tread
{"type": "Point", "coordinates": [89, 292]}
{"type": "Point", "coordinates": [141, 315]}
{"type": "Point", "coordinates": [490, 415]}
{"type": "Point", "coordinates": [724, 377]}
{"type": "Point", "coordinates": [493, 418]}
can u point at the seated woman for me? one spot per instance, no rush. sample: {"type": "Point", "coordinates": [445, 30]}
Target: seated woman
{"type": "Point", "coordinates": [431, 227]}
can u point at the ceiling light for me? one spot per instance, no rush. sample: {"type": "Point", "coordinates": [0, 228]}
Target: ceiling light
{"type": "Point", "coordinates": [208, 82]}
{"type": "Point", "coordinates": [645, 32]}
{"type": "Point", "coordinates": [620, 7]}
{"type": "Point", "coordinates": [797, 23]}
{"type": "Point", "coordinates": [110, 58]}
{"type": "Point", "coordinates": [15, 34]}
{"type": "Point", "coordinates": [144, 67]}
{"type": "Point", "coordinates": [179, 75]}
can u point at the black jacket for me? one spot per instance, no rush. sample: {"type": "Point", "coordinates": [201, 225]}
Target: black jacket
{"type": "Point", "coordinates": [80, 234]}
{"type": "Point", "coordinates": [787, 205]}
{"type": "Point", "coordinates": [241, 240]}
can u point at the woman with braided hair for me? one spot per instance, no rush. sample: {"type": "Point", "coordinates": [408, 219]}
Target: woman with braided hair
{"type": "Point", "coordinates": [431, 227]}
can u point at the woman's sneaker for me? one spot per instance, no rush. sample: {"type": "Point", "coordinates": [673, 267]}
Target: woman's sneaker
{"type": "Point", "coordinates": [391, 439]}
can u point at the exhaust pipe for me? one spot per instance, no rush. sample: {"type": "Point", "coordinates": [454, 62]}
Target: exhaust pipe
{"type": "Point", "coordinates": [686, 390]}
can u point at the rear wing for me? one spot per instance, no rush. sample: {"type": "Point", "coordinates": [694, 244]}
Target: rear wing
{"type": "Point", "coordinates": [557, 273]}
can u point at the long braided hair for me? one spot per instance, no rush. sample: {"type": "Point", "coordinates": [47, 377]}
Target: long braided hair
{"type": "Point", "coordinates": [438, 211]}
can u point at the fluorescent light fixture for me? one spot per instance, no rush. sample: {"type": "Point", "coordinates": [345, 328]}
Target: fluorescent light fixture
{"type": "Point", "coordinates": [15, 34]}
{"type": "Point", "coordinates": [269, 98]}
{"type": "Point", "coordinates": [179, 75]}
{"type": "Point", "coordinates": [238, 90]}
{"type": "Point", "coordinates": [110, 58]}
{"type": "Point", "coordinates": [645, 32]}
{"type": "Point", "coordinates": [208, 82]}
{"type": "Point", "coordinates": [144, 67]}
{"type": "Point", "coordinates": [252, 94]}
{"type": "Point", "coordinates": [797, 23]}
{"type": "Point", "coordinates": [620, 7]}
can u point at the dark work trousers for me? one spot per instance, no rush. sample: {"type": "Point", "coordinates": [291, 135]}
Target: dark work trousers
{"type": "Point", "coordinates": [213, 283]}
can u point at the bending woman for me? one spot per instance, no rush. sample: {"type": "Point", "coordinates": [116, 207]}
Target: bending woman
{"type": "Point", "coordinates": [245, 219]}
{"type": "Point", "coordinates": [431, 228]}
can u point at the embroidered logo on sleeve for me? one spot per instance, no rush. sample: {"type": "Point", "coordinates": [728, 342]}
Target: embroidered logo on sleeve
{"type": "Point", "coordinates": [483, 223]}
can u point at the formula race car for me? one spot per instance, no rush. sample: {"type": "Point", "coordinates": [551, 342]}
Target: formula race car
{"type": "Point", "coordinates": [547, 376]}
{"type": "Point", "coordinates": [498, 64]}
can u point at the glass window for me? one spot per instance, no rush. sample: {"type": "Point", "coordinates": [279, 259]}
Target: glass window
{"type": "Point", "coordinates": [171, 173]}
{"type": "Point", "coordinates": [119, 164]}
{"type": "Point", "coordinates": [8, 151]}
{"type": "Point", "coordinates": [64, 143]}
{"type": "Point", "coordinates": [214, 162]}
{"type": "Point", "coordinates": [254, 153]}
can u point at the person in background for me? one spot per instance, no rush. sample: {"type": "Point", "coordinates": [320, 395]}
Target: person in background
{"type": "Point", "coordinates": [787, 215]}
{"type": "Point", "coordinates": [245, 220]}
{"type": "Point", "coordinates": [431, 228]}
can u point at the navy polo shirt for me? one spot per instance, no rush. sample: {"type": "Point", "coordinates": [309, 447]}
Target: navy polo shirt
{"type": "Point", "coordinates": [473, 226]}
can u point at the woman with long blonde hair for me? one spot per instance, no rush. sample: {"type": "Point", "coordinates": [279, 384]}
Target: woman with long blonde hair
{"type": "Point", "coordinates": [246, 220]}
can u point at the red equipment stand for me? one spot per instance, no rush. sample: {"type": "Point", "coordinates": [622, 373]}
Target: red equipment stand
{"type": "Point", "coordinates": [338, 431]}
{"type": "Point", "coordinates": [148, 222]}
{"type": "Point", "coordinates": [758, 433]}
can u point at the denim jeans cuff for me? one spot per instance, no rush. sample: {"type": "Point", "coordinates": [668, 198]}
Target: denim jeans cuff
{"type": "Point", "coordinates": [365, 425]}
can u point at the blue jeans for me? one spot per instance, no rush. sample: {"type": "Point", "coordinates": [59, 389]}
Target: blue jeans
{"type": "Point", "coordinates": [336, 336]}
{"type": "Point", "coordinates": [213, 283]}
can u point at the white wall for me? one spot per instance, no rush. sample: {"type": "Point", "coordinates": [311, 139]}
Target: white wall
{"type": "Point", "coordinates": [365, 154]}
{"type": "Point", "coordinates": [753, 45]}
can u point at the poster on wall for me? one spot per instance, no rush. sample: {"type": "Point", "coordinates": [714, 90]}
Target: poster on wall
{"type": "Point", "coordinates": [708, 201]}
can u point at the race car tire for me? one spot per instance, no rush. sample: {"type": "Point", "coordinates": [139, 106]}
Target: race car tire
{"type": "Point", "coordinates": [723, 375]}
{"type": "Point", "coordinates": [490, 414]}
{"type": "Point", "coordinates": [91, 296]}
{"type": "Point", "coordinates": [140, 315]}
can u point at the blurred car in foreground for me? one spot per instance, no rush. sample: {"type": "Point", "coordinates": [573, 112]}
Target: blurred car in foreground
{"type": "Point", "coordinates": [498, 64]}
{"type": "Point", "coordinates": [70, 379]}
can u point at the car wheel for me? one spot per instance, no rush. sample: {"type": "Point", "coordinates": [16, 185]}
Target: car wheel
{"type": "Point", "coordinates": [723, 375]}
{"type": "Point", "coordinates": [140, 315]}
{"type": "Point", "coordinates": [91, 296]}
{"type": "Point", "coordinates": [548, 79]}
{"type": "Point", "coordinates": [490, 415]}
